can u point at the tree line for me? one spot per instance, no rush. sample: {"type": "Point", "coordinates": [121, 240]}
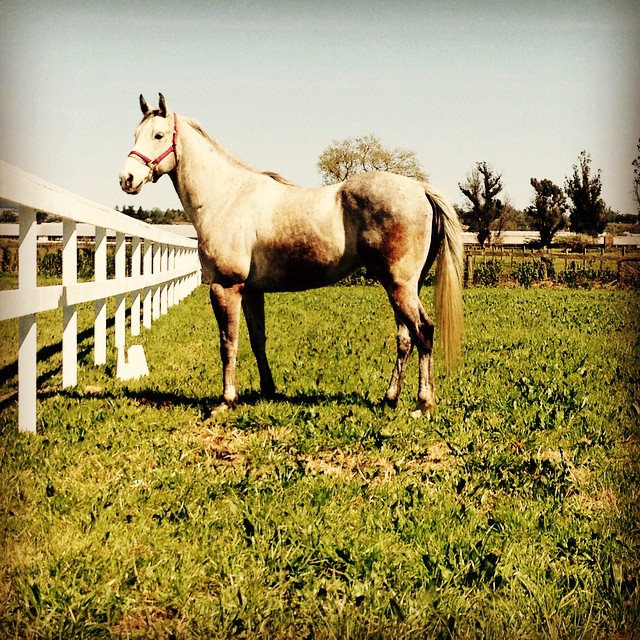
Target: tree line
{"type": "Point", "coordinates": [9, 213]}
{"type": "Point", "coordinates": [156, 215]}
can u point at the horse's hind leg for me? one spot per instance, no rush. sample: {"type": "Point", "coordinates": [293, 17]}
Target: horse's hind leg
{"type": "Point", "coordinates": [409, 310]}
{"type": "Point", "coordinates": [404, 347]}
{"type": "Point", "coordinates": [253, 307]}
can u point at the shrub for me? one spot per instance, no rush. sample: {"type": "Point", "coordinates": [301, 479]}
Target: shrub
{"type": "Point", "coordinates": [582, 277]}
{"type": "Point", "coordinates": [487, 273]}
{"type": "Point", "coordinates": [629, 274]}
{"type": "Point", "coordinates": [51, 263]}
{"type": "Point", "coordinates": [527, 273]}
{"type": "Point", "coordinates": [576, 242]}
{"type": "Point", "coordinates": [9, 259]}
{"type": "Point", "coordinates": [359, 277]}
{"type": "Point", "coordinates": [576, 277]}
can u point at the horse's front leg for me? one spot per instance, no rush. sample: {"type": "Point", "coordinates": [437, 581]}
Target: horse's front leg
{"type": "Point", "coordinates": [253, 307]}
{"type": "Point", "coordinates": [226, 303]}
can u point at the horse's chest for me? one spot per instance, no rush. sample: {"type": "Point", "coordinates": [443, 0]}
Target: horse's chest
{"type": "Point", "coordinates": [222, 262]}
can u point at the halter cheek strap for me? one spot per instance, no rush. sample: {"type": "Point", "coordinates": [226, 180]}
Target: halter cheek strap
{"type": "Point", "coordinates": [153, 164]}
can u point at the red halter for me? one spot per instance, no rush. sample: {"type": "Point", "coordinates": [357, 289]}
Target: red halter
{"type": "Point", "coordinates": [153, 164]}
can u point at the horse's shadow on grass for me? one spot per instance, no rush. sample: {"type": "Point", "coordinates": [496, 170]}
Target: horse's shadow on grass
{"type": "Point", "coordinates": [208, 404]}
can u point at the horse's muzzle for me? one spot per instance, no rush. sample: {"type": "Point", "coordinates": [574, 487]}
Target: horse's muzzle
{"type": "Point", "coordinates": [132, 178]}
{"type": "Point", "coordinates": [127, 184]}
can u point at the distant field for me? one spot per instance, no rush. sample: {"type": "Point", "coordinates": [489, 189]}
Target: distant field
{"type": "Point", "coordinates": [511, 512]}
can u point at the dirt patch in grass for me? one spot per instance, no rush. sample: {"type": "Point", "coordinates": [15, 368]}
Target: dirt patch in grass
{"type": "Point", "coordinates": [232, 446]}
{"type": "Point", "coordinates": [151, 622]}
{"type": "Point", "coordinates": [360, 465]}
{"type": "Point", "coordinates": [223, 444]}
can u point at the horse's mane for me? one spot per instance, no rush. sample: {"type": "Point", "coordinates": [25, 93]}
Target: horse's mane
{"type": "Point", "coordinates": [235, 160]}
{"type": "Point", "coordinates": [278, 178]}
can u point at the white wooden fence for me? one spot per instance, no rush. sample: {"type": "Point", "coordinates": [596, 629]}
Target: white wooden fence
{"type": "Point", "coordinates": [164, 269]}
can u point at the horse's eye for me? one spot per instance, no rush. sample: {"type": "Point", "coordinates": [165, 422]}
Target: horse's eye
{"type": "Point", "coordinates": [159, 136]}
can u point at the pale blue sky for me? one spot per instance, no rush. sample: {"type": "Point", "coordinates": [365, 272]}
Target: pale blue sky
{"type": "Point", "coordinates": [525, 86]}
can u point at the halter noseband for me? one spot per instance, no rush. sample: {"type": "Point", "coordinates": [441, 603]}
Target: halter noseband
{"type": "Point", "coordinates": [153, 164]}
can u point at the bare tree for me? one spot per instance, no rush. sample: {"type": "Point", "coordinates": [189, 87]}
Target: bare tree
{"type": "Point", "coordinates": [481, 188]}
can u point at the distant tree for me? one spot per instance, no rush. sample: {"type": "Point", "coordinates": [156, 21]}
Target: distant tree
{"type": "Point", "coordinates": [481, 188]}
{"type": "Point", "coordinates": [588, 211]}
{"type": "Point", "coordinates": [344, 158]}
{"type": "Point", "coordinates": [9, 215]}
{"type": "Point", "coordinates": [43, 216]}
{"type": "Point", "coordinates": [623, 218]}
{"type": "Point", "coordinates": [516, 219]}
{"type": "Point", "coordinates": [547, 210]}
{"type": "Point", "coordinates": [156, 215]}
{"type": "Point", "coordinates": [510, 219]}
{"type": "Point", "coordinates": [636, 179]}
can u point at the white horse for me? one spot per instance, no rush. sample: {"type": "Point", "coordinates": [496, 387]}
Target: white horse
{"type": "Point", "coordinates": [259, 233]}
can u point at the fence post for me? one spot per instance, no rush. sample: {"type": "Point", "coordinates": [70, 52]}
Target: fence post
{"type": "Point", "coordinates": [157, 268]}
{"type": "Point", "coordinates": [164, 290]}
{"type": "Point", "coordinates": [69, 312]}
{"type": "Point", "coordinates": [120, 260]}
{"type": "Point", "coordinates": [27, 301]}
{"type": "Point", "coordinates": [27, 332]}
{"type": "Point", "coordinates": [135, 300]}
{"type": "Point", "coordinates": [100, 322]}
{"type": "Point", "coordinates": [469, 278]}
{"type": "Point", "coordinates": [147, 270]}
{"type": "Point", "coordinates": [620, 276]}
{"type": "Point", "coordinates": [171, 293]}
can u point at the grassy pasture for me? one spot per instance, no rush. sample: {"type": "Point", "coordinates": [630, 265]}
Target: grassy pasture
{"type": "Point", "coordinates": [511, 512]}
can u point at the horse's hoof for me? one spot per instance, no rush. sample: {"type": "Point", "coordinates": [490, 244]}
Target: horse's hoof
{"type": "Point", "coordinates": [392, 403]}
{"type": "Point", "coordinates": [269, 393]}
{"type": "Point", "coordinates": [221, 408]}
{"type": "Point", "coordinates": [423, 408]}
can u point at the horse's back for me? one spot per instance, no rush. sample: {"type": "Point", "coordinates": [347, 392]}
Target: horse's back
{"type": "Point", "coordinates": [385, 193]}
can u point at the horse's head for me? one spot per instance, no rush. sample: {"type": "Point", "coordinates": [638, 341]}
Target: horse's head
{"type": "Point", "coordinates": [154, 150]}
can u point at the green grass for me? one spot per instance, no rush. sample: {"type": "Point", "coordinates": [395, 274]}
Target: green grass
{"type": "Point", "coordinates": [511, 512]}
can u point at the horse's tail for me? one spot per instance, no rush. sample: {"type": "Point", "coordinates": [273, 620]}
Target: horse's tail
{"type": "Point", "coordinates": [449, 275]}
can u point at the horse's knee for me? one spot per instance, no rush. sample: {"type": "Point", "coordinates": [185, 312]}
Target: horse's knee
{"type": "Point", "coordinates": [403, 342]}
{"type": "Point", "coordinates": [425, 331]}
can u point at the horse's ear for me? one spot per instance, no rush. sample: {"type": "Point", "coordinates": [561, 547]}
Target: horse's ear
{"type": "Point", "coordinates": [163, 106]}
{"type": "Point", "coordinates": [143, 105]}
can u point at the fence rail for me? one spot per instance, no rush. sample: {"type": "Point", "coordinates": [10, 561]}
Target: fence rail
{"type": "Point", "coordinates": [163, 267]}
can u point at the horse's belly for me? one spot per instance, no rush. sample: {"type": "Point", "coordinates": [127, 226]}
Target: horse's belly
{"type": "Point", "coordinates": [298, 267]}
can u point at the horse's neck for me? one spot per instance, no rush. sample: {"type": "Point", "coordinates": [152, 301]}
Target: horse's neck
{"type": "Point", "coordinates": [206, 177]}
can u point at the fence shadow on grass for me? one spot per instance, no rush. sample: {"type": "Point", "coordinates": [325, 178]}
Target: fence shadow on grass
{"type": "Point", "coordinates": [205, 405]}
{"type": "Point", "coordinates": [10, 371]}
